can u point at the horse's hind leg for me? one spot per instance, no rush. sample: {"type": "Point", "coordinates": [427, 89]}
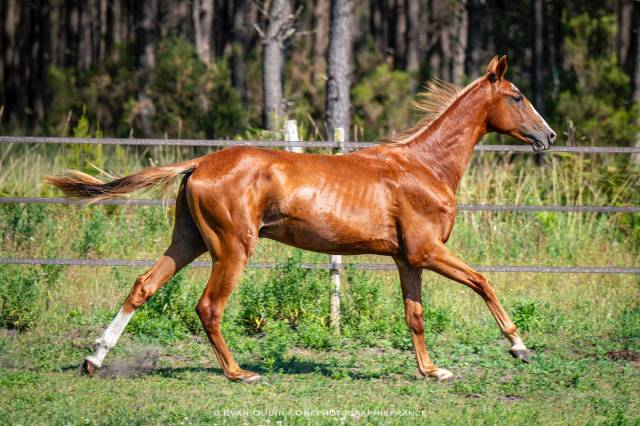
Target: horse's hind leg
{"type": "Point", "coordinates": [411, 282]}
{"type": "Point", "coordinates": [186, 245]}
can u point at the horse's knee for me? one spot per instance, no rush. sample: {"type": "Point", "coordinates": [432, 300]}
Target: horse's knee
{"type": "Point", "coordinates": [413, 316]}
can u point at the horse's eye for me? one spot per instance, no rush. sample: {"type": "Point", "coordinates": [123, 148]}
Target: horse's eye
{"type": "Point", "coordinates": [518, 98]}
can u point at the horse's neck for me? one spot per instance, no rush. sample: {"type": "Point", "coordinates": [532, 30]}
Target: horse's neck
{"type": "Point", "coordinates": [446, 145]}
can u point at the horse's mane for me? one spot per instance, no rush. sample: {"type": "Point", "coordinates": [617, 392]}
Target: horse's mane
{"type": "Point", "coordinates": [432, 102]}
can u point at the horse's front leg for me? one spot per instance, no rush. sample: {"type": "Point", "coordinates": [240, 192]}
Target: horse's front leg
{"type": "Point", "coordinates": [439, 259]}
{"type": "Point", "coordinates": [411, 282]}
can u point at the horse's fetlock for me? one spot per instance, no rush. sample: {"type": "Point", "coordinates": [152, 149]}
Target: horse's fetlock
{"type": "Point", "coordinates": [510, 331]}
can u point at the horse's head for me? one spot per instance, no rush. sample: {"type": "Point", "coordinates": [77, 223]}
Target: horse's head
{"type": "Point", "coordinates": [511, 113]}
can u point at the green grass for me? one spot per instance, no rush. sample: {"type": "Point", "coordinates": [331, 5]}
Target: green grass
{"type": "Point", "coordinates": [583, 330]}
{"type": "Point", "coordinates": [583, 333]}
{"type": "Point", "coordinates": [572, 379]}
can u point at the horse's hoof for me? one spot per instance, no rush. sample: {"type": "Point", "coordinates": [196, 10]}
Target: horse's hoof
{"type": "Point", "coordinates": [520, 354]}
{"type": "Point", "coordinates": [442, 375]}
{"type": "Point", "coordinates": [250, 380]}
{"type": "Point", "coordinates": [244, 376]}
{"type": "Point", "coordinates": [88, 368]}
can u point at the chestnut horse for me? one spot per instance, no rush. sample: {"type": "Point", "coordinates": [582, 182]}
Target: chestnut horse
{"type": "Point", "coordinates": [395, 199]}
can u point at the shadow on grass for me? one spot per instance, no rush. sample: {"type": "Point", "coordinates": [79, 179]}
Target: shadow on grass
{"type": "Point", "coordinates": [291, 366]}
{"type": "Point", "coordinates": [132, 369]}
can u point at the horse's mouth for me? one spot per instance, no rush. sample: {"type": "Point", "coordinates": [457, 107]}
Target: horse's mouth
{"type": "Point", "coordinates": [538, 145]}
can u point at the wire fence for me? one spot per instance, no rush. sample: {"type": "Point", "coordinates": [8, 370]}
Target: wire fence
{"type": "Point", "coordinates": [324, 266]}
{"type": "Point", "coordinates": [291, 144]}
{"type": "Point", "coordinates": [316, 144]}
{"type": "Point", "coordinates": [461, 207]}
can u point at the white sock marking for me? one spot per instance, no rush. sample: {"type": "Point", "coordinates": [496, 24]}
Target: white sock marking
{"type": "Point", "coordinates": [110, 337]}
{"type": "Point", "coordinates": [442, 374]}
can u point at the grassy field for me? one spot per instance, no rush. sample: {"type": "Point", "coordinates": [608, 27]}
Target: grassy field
{"type": "Point", "coordinates": [584, 369]}
{"type": "Point", "coordinates": [583, 330]}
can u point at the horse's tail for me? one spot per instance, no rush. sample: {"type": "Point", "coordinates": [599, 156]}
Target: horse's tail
{"type": "Point", "coordinates": [76, 184]}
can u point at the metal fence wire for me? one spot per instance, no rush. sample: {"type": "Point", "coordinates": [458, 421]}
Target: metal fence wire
{"type": "Point", "coordinates": [325, 266]}
{"type": "Point", "coordinates": [461, 207]}
{"type": "Point", "coordinates": [304, 144]}
{"type": "Point", "coordinates": [345, 146]}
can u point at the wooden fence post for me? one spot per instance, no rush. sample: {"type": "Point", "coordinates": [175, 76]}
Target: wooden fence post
{"type": "Point", "coordinates": [291, 135]}
{"type": "Point", "coordinates": [336, 260]}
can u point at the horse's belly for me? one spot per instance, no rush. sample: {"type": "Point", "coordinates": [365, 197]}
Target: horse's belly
{"type": "Point", "coordinates": [333, 238]}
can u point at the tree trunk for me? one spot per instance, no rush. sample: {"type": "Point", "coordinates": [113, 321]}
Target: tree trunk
{"type": "Point", "coordinates": [439, 41]}
{"type": "Point", "coordinates": [412, 10]}
{"type": "Point", "coordinates": [424, 30]}
{"type": "Point", "coordinates": [11, 81]}
{"type": "Point", "coordinates": [376, 23]}
{"type": "Point", "coordinates": [56, 44]}
{"type": "Point", "coordinates": [460, 31]}
{"type": "Point", "coordinates": [104, 30]}
{"type": "Point", "coordinates": [238, 48]}
{"type": "Point", "coordinates": [554, 45]}
{"type": "Point", "coordinates": [273, 63]}
{"type": "Point", "coordinates": [445, 55]}
{"type": "Point", "coordinates": [95, 19]}
{"type": "Point", "coordinates": [203, 25]}
{"type": "Point", "coordinates": [538, 52]}
{"type": "Point", "coordinates": [3, 6]}
{"type": "Point", "coordinates": [320, 36]}
{"type": "Point", "coordinates": [475, 13]}
{"type": "Point", "coordinates": [624, 14]}
{"type": "Point", "coordinates": [85, 42]}
{"type": "Point", "coordinates": [390, 23]}
{"type": "Point", "coordinates": [400, 34]}
{"type": "Point", "coordinates": [633, 65]}
{"type": "Point", "coordinates": [148, 63]}
{"type": "Point", "coordinates": [339, 67]}
{"type": "Point", "coordinates": [116, 29]}
{"type": "Point", "coordinates": [148, 34]}
{"type": "Point", "coordinates": [222, 32]}
{"type": "Point", "coordinates": [72, 36]}
{"type": "Point", "coordinates": [38, 57]}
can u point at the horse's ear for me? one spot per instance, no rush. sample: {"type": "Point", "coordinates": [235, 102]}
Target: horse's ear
{"type": "Point", "coordinates": [497, 68]}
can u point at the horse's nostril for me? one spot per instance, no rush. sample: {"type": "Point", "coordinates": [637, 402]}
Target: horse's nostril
{"type": "Point", "coordinates": [552, 137]}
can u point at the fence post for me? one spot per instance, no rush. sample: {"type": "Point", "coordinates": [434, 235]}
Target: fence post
{"type": "Point", "coordinates": [291, 135]}
{"type": "Point", "coordinates": [336, 260]}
